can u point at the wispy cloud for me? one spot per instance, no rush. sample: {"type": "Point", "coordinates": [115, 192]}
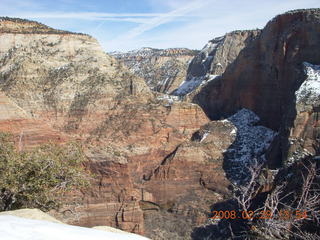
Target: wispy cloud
{"type": "Point", "coordinates": [159, 20]}
{"type": "Point", "coordinates": [125, 24]}
{"type": "Point", "coordinates": [130, 17]}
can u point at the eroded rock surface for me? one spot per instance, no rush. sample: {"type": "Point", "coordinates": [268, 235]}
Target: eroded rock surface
{"type": "Point", "coordinates": [140, 148]}
{"type": "Point", "coordinates": [162, 69]}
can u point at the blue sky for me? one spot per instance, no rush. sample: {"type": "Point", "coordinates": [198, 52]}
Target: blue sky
{"type": "Point", "coordinates": [122, 25]}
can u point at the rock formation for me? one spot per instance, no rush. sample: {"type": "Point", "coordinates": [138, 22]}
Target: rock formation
{"type": "Point", "coordinates": [160, 163]}
{"type": "Point", "coordinates": [62, 85]}
{"type": "Point", "coordinates": [29, 132]}
{"type": "Point", "coordinates": [162, 69]}
{"type": "Point", "coordinates": [214, 58]}
{"type": "Point", "coordinates": [265, 77]}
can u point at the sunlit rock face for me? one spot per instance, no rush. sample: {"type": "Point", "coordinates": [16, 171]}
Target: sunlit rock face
{"type": "Point", "coordinates": [60, 86]}
{"type": "Point", "coordinates": [162, 69]}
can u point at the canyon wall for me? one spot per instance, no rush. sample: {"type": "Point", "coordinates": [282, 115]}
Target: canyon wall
{"type": "Point", "coordinates": [213, 59]}
{"type": "Point", "coordinates": [265, 78]}
{"type": "Point", "coordinates": [60, 86]}
{"type": "Point", "coordinates": [163, 69]}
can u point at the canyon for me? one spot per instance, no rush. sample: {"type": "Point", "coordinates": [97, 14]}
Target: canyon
{"type": "Point", "coordinates": [160, 162]}
{"type": "Point", "coordinates": [54, 84]}
{"type": "Point", "coordinates": [267, 78]}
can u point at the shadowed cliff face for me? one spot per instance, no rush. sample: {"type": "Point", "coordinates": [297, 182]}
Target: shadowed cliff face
{"type": "Point", "coordinates": [265, 77]}
{"type": "Point", "coordinates": [220, 52]}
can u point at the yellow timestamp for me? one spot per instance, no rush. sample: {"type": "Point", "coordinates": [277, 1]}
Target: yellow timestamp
{"type": "Point", "coordinates": [264, 214]}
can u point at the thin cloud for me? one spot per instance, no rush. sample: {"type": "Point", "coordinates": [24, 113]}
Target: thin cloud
{"type": "Point", "coordinates": [89, 15]}
{"type": "Point", "coordinates": [202, 19]}
{"type": "Point", "coordinates": [159, 20]}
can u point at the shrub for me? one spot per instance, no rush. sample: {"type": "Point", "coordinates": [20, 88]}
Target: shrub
{"type": "Point", "coordinates": [290, 210]}
{"type": "Point", "coordinates": [40, 177]}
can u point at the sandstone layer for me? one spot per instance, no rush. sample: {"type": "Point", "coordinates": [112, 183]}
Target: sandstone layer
{"type": "Point", "coordinates": [140, 148]}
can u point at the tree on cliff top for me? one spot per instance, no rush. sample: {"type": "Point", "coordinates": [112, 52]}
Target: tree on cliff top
{"type": "Point", "coordinates": [38, 178]}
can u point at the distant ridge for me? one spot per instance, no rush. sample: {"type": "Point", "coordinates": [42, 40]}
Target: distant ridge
{"type": "Point", "coordinates": [19, 25]}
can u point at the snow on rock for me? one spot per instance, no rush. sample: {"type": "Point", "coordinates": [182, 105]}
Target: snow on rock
{"type": "Point", "coordinates": [189, 85]}
{"type": "Point", "coordinates": [168, 99]}
{"type": "Point", "coordinates": [250, 144]}
{"type": "Point", "coordinates": [205, 135]}
{"type": "Point", "coordinates": [204, 60]}
{"type": "Point", "coordinates": [210, 46]}
{"type": "Point", "coordinates": [16, 228]}
{"type": "Point", "coordinates": [162, 69]}
{"type": "Point", "coordinates": [309, 91]}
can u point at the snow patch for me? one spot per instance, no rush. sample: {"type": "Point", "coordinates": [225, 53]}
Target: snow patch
{"type": "Point", "coordinates": [249, 146]}
{"type": "Point", "coordinates": [16, 228]}
{"type": "Point", "coordinates": [234, 131]}
{"type": "Point", "coordinates": [188, 86]}
{"type": "Point", "coordinates": [208, 48]}
{"type": "Point", "coordinates": [205, 135]}
{"type": "Point", "coordinates": [299, 152]}
{"type": "Point", "coordinates": [210, 77]}
{"type": "Point", "coordinates": [169, 99]}
{"type": "Point", "coordinates": [309, 91]}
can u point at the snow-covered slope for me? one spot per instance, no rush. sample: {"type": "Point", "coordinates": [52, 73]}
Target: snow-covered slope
{"type": "Point", "coordinates": [188, 86]}
{"type": "Point", "coordinates": [309, 91]}
{"type": "Point", "coordinates": [250, 144]}
{"type": "Point", "coordinates": [16, 228]}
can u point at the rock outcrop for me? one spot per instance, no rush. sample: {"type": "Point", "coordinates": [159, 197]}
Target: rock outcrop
{"type": "Point", "coordinates": [17, 25]}
{"type": "Point", "coordinates": [162, 69]}
{"type": "Point", "coordinates": [265, 77]}
{"type": "Point", "coordinates": [213, 59]}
